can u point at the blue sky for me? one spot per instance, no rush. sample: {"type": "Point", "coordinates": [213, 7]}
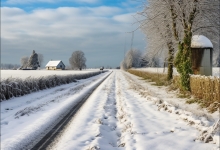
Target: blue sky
{"type": "Point", "coordinates": [29, 5]}
{"type": "Point", "coordinates": [56, 28]}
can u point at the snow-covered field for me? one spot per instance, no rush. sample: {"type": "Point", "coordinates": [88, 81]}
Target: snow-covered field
{"type": "Point", "coordinates": [215, 70]}
{"type": "Point", "coordinates": [38, 73]}
{"type": "Point", "coordinates": [123, 113]}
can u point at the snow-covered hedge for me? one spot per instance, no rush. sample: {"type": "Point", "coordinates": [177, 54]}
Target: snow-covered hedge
{"type": "Point", "coordinates": [15, 87]}
{"type": "Point", "coordinates": [206, 88]}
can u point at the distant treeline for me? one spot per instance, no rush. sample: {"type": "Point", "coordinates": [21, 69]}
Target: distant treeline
{"type": "Point", "coordinates": [9, 66]}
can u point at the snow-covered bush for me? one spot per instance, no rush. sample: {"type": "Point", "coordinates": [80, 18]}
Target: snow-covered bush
{"type": "Point", "coordinates": [15, 87]}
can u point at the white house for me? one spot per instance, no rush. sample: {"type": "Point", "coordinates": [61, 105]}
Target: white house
{"type": "Point", "coordinates": [55, 65]}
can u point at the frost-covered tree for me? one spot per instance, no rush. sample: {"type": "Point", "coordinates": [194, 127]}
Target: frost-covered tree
{"type": "Point", "coordinates": [174, 22]}
{"type": "Point", "coordinates": [123, 65]}
{"type": "Point", "coordinates": [158, 30]}
{"type": "Point", "coordinates": [33, 61]}
{"type": "Point", "coordinates": [155, 62]}
{"type": "Point", "coordinates": [133, 58]}
{"type": "Point", "coordinates": [218, 61]}
{"type": "Point", "coordinates": [24, 61]}
{"type": "Point", "coordinates": [77, 60]}
{"type": "Point", "coordinates": [144, 61]}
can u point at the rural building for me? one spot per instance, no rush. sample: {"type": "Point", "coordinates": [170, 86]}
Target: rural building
{"type": "Point", "coordinates": [55, 65]}
{"type": "Point", "coordinates": [202, 51]}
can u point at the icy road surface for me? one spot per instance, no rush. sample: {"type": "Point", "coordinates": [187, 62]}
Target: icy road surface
{"type": "Point", "coordinates": [120, 114]}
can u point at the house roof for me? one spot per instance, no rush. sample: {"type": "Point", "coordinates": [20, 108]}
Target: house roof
{"type": "Point", "coordinates": [53, 63]}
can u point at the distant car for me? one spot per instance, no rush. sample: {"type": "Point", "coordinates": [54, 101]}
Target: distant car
{"type": "Point", "coordinates": [101, 68]}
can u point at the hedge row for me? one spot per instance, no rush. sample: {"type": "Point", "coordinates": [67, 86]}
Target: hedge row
{"type": "Point", "coordinates": [15, 87]}
{"type": "Point", "coordinates": [158, 78]}
{"type": "Point", "coordinates": [205, 89]}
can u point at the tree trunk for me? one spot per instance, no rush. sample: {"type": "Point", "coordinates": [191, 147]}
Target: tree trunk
{"type": "Point", "coordinates": [170, 61]}
{"type": "Point", "coordinates": [183, 60]}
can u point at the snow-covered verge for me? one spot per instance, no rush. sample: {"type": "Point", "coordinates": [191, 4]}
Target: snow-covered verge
{"type": "Point", "coordinates": [215, 70]}
{"type": "Point", "coordinates": [124, 113]}
{"type": "Point", "coordinates": [25, 118]}
{"type": "Point", "coordinates": [15, 87]}
{"type": "Point", "coordinates": [208, 124]}
{"type": "Point", "coordinates": [205, 90]}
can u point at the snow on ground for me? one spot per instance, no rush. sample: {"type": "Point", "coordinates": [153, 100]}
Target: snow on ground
{"type": "Point", "coordinates": [124, 112]}
{"type": "Point", "coordinates": [38, 73]}
{"type": "Point", "coordinates": [215, 70]}
{"type": "Point", "coordinates": [24, 118]}
{"type": "Point", "coordinates": [120, 118]}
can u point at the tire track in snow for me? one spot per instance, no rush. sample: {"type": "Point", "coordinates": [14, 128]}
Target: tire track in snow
{"type": "Point", "coordinates": [45, 142]}
{"type": "Point", "coordinates": [123, 116]}
{"type": "Point", "coordinates": [27, 136]}
{"type": "Point", "coordinates": [100, 126]}
{"type": "Point", "coordinates": [117, 117]}
{"type": "Point", "coordinates": [108, 121]}
{"type": "Point", "coordinates": [109, 133]}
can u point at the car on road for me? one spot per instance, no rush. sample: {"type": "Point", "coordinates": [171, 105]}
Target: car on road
{"type": "Point", "coordinates": [101, 68]}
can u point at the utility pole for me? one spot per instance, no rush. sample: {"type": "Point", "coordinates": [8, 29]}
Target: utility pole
{"type": "Point", "coordinates": [132, 40]}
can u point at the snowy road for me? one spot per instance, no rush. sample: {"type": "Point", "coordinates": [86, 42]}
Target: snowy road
{"type": "Point", "coordinates": [117, 117]}
{"type": "Point", "coordinates": [120, 114]}
{"type": "Point", "coordinates": [25, 120]}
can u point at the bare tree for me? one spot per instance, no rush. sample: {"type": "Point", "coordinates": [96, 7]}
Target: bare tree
{"type": "Point", "coordinates": [172, 23]}
{"type": "Point", "coordinates": [158, 29]}
{"type": "Point", "coordinates": [132, 58]}
{"type": "Point", "coordinates": [24, 61]}
{"type": "Point", "coordinates": [40, 59]}
{"type": "Point", "coordinates": [77, 60]}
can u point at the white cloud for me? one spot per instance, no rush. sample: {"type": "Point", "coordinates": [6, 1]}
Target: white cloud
{"type": "Point", "coordinates": [58, 32]}
{"type": "Point", "coordinates": [63, 22]}
{"type": "Point", "coordinates": [125, 18]}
